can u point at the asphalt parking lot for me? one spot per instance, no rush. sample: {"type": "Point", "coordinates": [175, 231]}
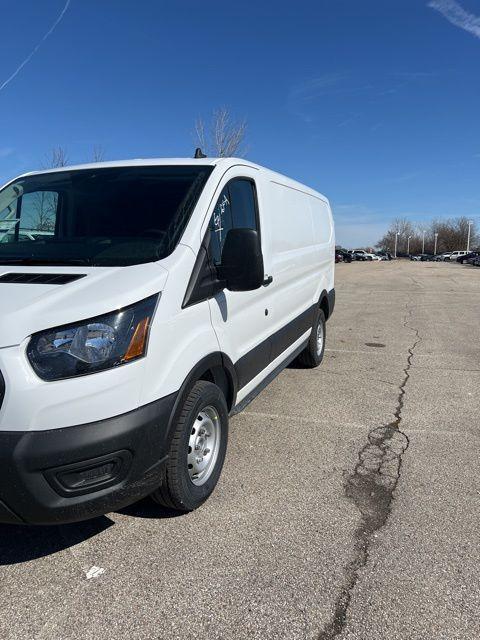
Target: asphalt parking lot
{"type": "Point", "coordinates": [349, 506]}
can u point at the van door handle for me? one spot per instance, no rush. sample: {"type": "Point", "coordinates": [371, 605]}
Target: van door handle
{"type": "Point", "coordinates": [268, 280]}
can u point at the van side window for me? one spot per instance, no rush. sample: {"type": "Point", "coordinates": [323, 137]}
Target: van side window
{"type": "Point", "coordinates": [220, 225]}
{"type": "Point", "coordinates": [242, 197]}
{"type": "Point", "coordinates": [236, 208]}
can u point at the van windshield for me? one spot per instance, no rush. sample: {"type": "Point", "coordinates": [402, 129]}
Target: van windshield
{"type": "Point", "coordinates": [99, 217]}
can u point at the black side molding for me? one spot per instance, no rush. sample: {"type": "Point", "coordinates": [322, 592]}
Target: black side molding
{"type": "Point", "coordinates": [266, 381]}
{"type": "Point", "coordinates": [255, 361]}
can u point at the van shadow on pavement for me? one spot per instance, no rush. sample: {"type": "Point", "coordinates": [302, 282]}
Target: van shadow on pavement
{"type": "Point", "coordinates": [21, 543]}
{"type": "Point", "coordinates": [147, 508]}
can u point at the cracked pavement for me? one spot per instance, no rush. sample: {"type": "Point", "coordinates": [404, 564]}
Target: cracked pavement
{"type": "Point", "coordinates": [324, 525]}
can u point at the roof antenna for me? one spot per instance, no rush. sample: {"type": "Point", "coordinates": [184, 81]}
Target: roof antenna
{"type": "Point", "coordinates": [199, 154]}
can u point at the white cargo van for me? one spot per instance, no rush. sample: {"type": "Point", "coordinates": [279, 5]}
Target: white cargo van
{"type": "Point", "coordinates": [150, 300]}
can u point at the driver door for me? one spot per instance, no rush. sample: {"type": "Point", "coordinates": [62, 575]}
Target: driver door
{"type": "Point", "coordinates": [241, 319]}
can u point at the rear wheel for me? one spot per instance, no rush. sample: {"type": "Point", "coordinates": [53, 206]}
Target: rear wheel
{"type": "Point", "coordinates": [197, 451]}
{"type": "Point", "coordinates": [312, 355]}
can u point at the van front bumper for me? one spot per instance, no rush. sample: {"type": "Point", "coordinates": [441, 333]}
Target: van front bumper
{"type": "Point", "coordinates": [80, 472]}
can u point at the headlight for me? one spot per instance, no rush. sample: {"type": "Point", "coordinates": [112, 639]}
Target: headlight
{"type": "Point", "coordinates": [93, 345]}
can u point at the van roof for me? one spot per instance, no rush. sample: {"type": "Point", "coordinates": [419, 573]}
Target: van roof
{"type": "Point", "coordinates": [224, 163]}
{"type": "Point", "coordinates": [147, 162]}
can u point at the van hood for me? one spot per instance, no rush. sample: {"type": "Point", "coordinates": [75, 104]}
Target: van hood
{"type": "Point", "coordinates": [28, 305]}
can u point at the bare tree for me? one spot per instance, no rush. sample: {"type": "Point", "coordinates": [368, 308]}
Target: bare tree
{"type": "Point", "coordinates": [223, 137]}
{"type": "Point", "coordinates": [98, 153]}
{"type": "Point", "coordinates": [44, 203]}
{"type": "Point", "coordinates": [44, 206]}
{"type": "Point", "coordinates": [453, 234]}
{"type": "Point", "coordinates": [57, 158]}
{"type": "Point", "coordinates": [401, 227]}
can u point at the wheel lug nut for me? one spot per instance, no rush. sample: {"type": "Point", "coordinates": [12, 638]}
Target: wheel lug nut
{"type": "Point", "coordinates": [197, 447]}
{"type": "Point", "coordinates": [205, 451]}
{"type": "Point", "coordinates": [199, 460]}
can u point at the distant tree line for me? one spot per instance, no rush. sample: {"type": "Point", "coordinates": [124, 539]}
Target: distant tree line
{"type": "Point", "coordinates": [452, 235]}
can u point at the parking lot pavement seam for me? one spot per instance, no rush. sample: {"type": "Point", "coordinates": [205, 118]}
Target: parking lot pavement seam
{"type": "Point", "coordinates": [361, 353]}
{"type": "Point", "coordinates": [304, 419]}
{"type": "Point", "coordinates": [348, 373]}
{"type": "Point", "coordinates": [370, 487]}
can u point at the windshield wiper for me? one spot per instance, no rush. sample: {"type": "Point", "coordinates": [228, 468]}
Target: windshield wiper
{"type": "Point", "coordinates": [48, 262]}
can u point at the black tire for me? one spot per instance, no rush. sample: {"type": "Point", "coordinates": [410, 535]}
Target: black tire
{"type": "Point", "coordinates": [309, 358]}
{"type": "Point", "coordinates": [177, 490]}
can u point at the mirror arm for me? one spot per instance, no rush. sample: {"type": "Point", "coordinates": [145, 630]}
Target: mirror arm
{"type": "Point", "coordinates": [218, 283]}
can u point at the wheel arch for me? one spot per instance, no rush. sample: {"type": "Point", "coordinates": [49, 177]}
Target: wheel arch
{"type": "Point", "coordinates": [217, 368]}
{"type": "Point", "coordinates": [326, 302]}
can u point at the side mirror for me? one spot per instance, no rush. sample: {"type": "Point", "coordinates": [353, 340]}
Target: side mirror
{"type": "Point", "coordinates": [242, 260]}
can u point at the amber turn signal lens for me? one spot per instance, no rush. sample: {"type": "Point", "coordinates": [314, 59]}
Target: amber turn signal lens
{"type": "Point", "coordinates": [136, 347]}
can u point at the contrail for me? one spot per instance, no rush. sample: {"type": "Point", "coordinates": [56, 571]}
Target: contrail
{"type": "Point", "coordinates": [30, 56]}
{"type": "Point", "coordinates": [456, 14]}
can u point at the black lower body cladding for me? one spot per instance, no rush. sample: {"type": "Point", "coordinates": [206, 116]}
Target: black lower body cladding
{"type": "Point", "coordinates": [263, 354]}
{"type": "Point", "coordinates": [331, 301]}
{"type": "Point", "coordinates": [80, 472]}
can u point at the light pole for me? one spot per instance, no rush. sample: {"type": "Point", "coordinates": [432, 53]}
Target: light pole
{"type": "Point", "coordinates": [435, 250]}
{"type": "Point", "coordinates": [396, 240]}
{"type": "Point", "coordinates": [408, 245]}
{"type": "Point", "coordinates": [470, 222]}
{"type": "Point", "coordinates": [423, 242]}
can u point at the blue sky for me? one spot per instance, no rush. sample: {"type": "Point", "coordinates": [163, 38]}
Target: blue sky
{"type": "Point", "coordinates": [375, 103]}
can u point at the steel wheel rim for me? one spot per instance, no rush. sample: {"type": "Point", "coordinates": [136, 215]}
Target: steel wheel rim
{"type": "Point", "coordinates": [320, 338]}
{"type": "Point", "coordinates": [203, 445]}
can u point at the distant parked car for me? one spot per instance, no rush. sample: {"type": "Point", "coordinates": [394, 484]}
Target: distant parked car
{"type": "Point", "coordinates": [364, 255]}
{"type": "Point", "coordinates": [346, 255]}
{"type": "Point", "coordinates": [338, 257]}
{"type": "Point", "coordinates": [359, 255]}
{"type": "Point", "coordinates": [384, 255]}
{"type": "Point", "coordinates": [457, 254]}
{"type": "Point", "coordinates": [441, 257]}
{"type": "Point", "coordinates": [467, 257]}
{"type": "Point", "coordinates": [475, 261]}
{"type": "Point", "coordinates": [422, 257]}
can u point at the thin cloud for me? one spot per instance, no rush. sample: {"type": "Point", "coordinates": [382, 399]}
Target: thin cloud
{"type": "Point", "coordinates": [302, 97]}
{"type": "Point", "coordinates": [457, 15]}
{"type": "Point", "coordinates": [405, 177]}
{"type": "Point", "coordinates": [308, 98]}
{"type": "Point", "coordinates": [317, 95]}
{"type": "Point", "coordinates": [37, 47]}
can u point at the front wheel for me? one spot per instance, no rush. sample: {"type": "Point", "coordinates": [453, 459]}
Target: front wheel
{"type": "Point", "coordinates": [197, 451]}
{"type": "Point", "coordinates": [312, 355]}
